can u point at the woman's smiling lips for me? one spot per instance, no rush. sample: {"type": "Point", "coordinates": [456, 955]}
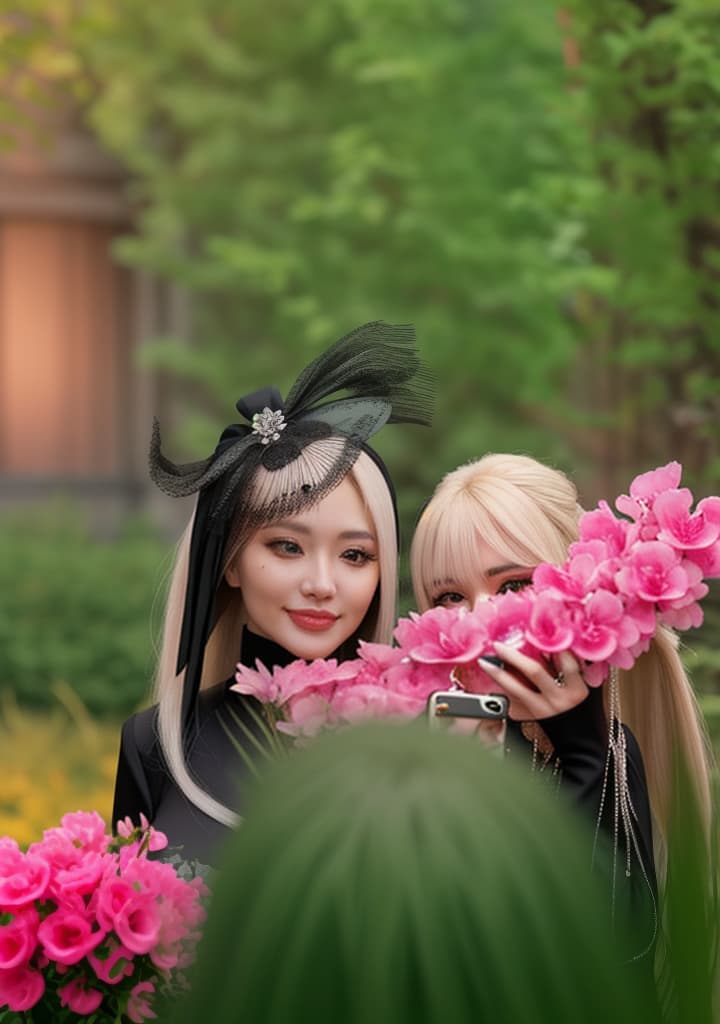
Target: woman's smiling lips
{"type": "Point", "coordinates": [312, 619]}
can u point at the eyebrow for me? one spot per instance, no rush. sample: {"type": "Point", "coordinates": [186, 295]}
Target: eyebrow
{"type": "Point", "coordinates": [508, 567]}
{"type": "Point", "coordinates": [497, 570]}
{"type": "Point", "coordinates": [288, 524]}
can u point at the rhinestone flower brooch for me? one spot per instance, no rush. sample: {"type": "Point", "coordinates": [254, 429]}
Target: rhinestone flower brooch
{"type": "Point", "coordinates": [268, 425]}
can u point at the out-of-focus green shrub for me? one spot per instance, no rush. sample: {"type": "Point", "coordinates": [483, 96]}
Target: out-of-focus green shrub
{"type": "Point", "coordinates": [78, 609]}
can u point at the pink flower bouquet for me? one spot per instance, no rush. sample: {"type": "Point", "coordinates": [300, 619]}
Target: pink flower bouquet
{"type": "Point", "coordinates": [621, 578]}
{"type": "Point", "coordinates": [90, 926]}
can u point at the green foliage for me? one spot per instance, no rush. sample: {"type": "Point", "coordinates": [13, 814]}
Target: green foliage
{"type": "Point", "coordinates": [76, 609]}
{"type": "Point", "coordinates": [301, 171]}
{"type": "Point", "coordinates": [642, 187]}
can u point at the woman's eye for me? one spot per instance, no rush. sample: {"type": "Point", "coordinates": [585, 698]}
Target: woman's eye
{"type": "Point", "coordinates": [512, 586]}
{"type": "Point", "coordinates": [285, 547]}
{"type": "Point", "coordinates": [358, 556]}
{"type": "Point", "coordinates": [449, 598]}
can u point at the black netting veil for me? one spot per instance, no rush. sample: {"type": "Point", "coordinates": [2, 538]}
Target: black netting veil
{"type": "Point", "coordinates": [286, 457]}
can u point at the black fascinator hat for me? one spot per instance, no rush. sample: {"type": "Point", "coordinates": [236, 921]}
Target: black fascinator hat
{"type": "Point", "coordinates": [272, 466]}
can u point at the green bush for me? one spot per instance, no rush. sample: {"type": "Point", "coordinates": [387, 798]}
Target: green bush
{"type": "Point", "coordinates": [78, 609]}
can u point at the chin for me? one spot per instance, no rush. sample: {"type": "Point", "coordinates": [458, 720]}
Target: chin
{"type": "Point", "coordinates": [309, 649]}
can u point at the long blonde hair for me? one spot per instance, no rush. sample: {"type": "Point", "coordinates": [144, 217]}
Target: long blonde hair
{"type": "Point", "coordinates": [529, 513]}
{"type": "Point", "coordinates": [223, 647]}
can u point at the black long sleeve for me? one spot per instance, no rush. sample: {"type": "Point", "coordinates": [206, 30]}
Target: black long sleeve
{"type": "Point", "coordinates": [580, 738]}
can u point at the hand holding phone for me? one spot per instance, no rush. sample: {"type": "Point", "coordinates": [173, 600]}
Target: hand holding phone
{"type": "Point", "coordinates": [444, 706]}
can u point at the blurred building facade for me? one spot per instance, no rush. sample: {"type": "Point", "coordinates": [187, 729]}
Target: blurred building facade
{"type": "Point", "coordinates": [76, 407]}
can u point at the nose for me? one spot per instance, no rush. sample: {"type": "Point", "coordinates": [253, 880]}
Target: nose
{"type": "Point", "coordinates": [319, 581]}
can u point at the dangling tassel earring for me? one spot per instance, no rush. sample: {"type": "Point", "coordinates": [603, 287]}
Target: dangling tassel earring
{"type": "Point", "coordinates": [623, 810]}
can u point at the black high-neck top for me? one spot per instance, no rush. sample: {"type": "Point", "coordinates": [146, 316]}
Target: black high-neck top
{"type": "Point", "coordinates": [216, 756]}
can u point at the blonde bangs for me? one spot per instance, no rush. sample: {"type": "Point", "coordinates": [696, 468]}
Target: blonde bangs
{"type": "Point", "coordinates": [472, 504]}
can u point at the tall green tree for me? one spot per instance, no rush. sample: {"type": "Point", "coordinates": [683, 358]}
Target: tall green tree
{"type": "Point", "coordinates": [643, 185]}
{"type": "Point", "coordinates": [303, 168]}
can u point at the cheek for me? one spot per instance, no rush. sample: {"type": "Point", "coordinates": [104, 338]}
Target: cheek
{"type": "Point", "coordinates": [363, 588]}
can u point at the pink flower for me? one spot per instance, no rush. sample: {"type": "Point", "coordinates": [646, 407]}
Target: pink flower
{"type": "Point", "coordinates": [417, 679]}
{"type": "Point", "coordinates": [110, 898]}
{"type": "Point", "coordinates": [313, 677]}
{"type": "Point", "coordinates": [78, 998]}
{"type": "Point", "coordinates": [653, 573]}
{"type": "Point", "coordinates": [380, 657]}
{"type": "Point", "coordinates": [82, 877]}
{"type": "Point", "coordinates": [561, 582]}
{"type": "Point", "coordinates": [282, 683]}
{"type": "Point", "coordinates": [645, 489]}
{"type": "Point", "coordinates": [549, 628]}
{"type": "Point", "coordinates": [138, 1007]}
{"type": "Point", "coordinates": [362, 702]}
{"type": "Point", "coordinates": [18, 937]}
{"type": "Point", "coordinates": [137, 923]}
{"type": "Point", "coordinates": [708, 560]}
{"type": "Point", "coordinates": [21, 988]}
{"type": "Point", "coordinates": [596, 625]}
{"type": "Point", "coordinates": [23, 877]}
{"type": "Point", "coordinates": [307, 714]}
{"type": "Point", "coordinates": [115, 964]}
{"type": "Point", "coordinates": [259, 683]}
{"type": "Point", "coordinates": [681, 529]}
{"type": "Point", "coordinates": [503, 619]}
{"type": "Point", "coordinates": [67, 936]}
{"type": "Point", "coordinates": [148, 838]}
{"type": "Point", "coordinates": [601, 524]}
{"type": "Point", "coordinates": [441, 635]}
{"type": "Point", "coordinates": [88, 828]}
{"type": "Point", "coordinates": [58, 850]}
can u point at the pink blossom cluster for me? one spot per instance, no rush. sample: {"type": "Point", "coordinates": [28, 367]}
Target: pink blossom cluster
{"type": "Point", "coordinates": [621, 578]}
{"type": "Point", "coordinates": [90, 923]}
{"type": "Point", "coordinates": [306, 698]}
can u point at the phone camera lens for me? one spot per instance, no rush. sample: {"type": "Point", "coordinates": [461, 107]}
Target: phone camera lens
{"type": "Point", "coordinates": [494, 706]}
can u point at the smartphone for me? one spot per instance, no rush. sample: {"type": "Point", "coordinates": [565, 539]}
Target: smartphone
{"type": "Point", "coordinates": [449, 704]}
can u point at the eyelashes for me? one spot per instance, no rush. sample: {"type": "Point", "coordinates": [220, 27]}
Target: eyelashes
{"type": "Point", "coordinates": [286, 548]}
{"type": "Point", "coordinates": [455, 598]}
{"type": "Point", "coordinates": [514, 585]}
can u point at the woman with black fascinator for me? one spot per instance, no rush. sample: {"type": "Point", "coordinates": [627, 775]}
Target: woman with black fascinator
{"type": "Point", "coordinates": [291, 552]}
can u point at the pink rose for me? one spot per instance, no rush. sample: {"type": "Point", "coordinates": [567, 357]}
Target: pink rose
{"type": "Point", "coordinates": [18, 938]}
{"type": "Point", "coordinates": [21, 988]}
{"type": "Point", "coordinates": [138, 1007]}
{"type": "Point", "coordinates": [67, 936]}
{"type": "Point", "coordinates": [110, 898]}
{"type": "Point", "coordinates": [23, 877]}
{"type": "Point", "coordinates": [81, 878]}
{"type": "Point", "coordinates": [116, 962]}
{"type": "Point", "coordinates": [137, 924]}
{"type": "Point", "coordinates": [78, 998]}
{"type": "Point", "coordinates": [88, 828]}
